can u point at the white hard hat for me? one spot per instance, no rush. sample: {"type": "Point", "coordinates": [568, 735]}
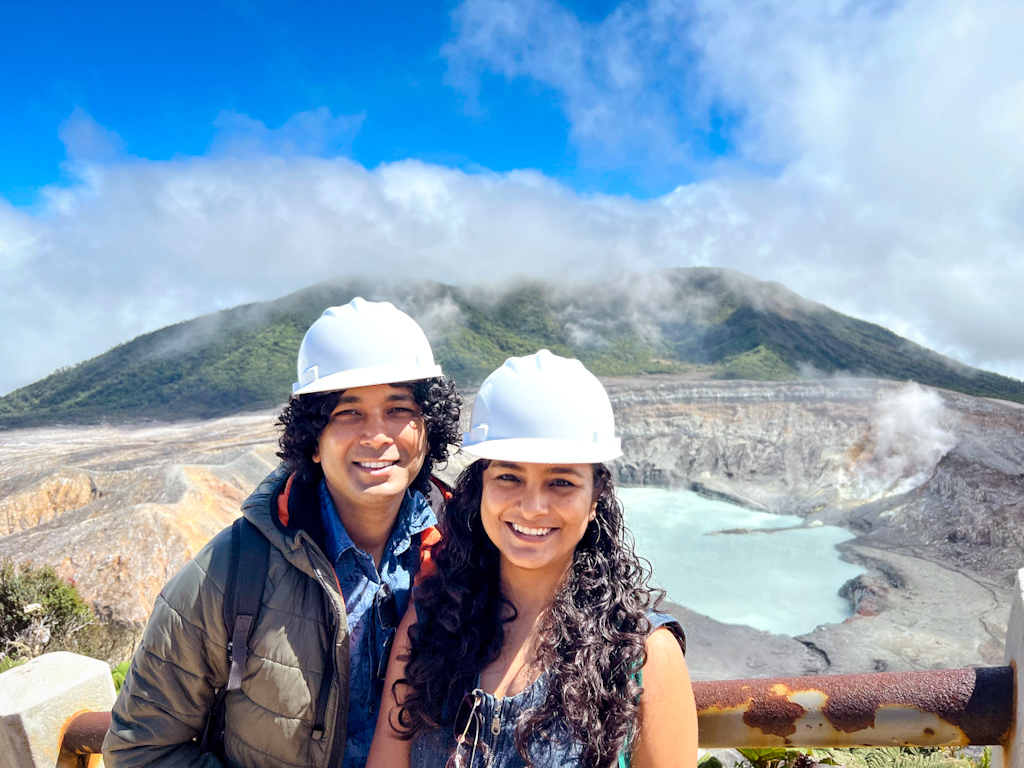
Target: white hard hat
{"type": "Point", "coordinates": [542, 409]}
{"type": "Point", "coordinates": [361, 344]}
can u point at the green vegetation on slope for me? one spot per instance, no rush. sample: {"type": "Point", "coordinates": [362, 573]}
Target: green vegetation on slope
{"type": "Point", "coordinates": [732, 324]}
{"type": "Point", "coordinates": [39, 612]}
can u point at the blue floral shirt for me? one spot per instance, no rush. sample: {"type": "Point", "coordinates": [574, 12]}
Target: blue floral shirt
{"type": "Point", "coordinates": [361, 583]}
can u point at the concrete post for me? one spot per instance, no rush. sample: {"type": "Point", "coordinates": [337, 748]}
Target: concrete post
{"type": "Point", "coordinates": [38, 698]}
{"type": "Point", "coordinates": [1012, 753]}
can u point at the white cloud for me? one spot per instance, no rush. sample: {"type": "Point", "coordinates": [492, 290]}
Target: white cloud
{"type": "Point", "coordinates": [317, 132]}
{"type": "Point", "coordinates": [894, 128]}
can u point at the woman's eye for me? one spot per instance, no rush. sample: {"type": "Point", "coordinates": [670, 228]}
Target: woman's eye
{"type": "Point", "coordinates": [508, 478]}
{"type": "Point", "coordinates": [562, 483]}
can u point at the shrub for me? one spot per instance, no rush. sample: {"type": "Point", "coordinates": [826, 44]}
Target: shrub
{"type": "Point", "coordinates": [118, 673]}
{"type": "Point", "coordinates": [39, 611]}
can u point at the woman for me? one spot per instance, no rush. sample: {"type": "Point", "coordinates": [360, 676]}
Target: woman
{"type": "Point", "coordinates": [532, 641]}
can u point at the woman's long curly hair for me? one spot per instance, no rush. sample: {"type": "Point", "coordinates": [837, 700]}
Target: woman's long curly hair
{"type": "Point", "coordinates": [592, 638]}
{"type": "Point", "coordinates": [305, 417]}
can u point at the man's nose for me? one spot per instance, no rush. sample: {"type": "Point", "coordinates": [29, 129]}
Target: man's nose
{"type": "Point", "coordinates": [376, 432]}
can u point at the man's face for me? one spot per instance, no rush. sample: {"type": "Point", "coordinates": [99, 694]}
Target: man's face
{"type": "Point", "coordinates": [373, 447]}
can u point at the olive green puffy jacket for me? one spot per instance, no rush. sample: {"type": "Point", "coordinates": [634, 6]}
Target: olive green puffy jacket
{"type": "Point", "coordinates": [299, 641]}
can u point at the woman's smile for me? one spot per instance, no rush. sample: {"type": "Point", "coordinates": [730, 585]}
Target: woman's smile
{"type": "Point", "coordinates": [530, 533]}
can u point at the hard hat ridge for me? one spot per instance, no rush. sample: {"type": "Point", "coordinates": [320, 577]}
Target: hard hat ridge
{"type": "Point", "coordinates": [542, 408]}
{"type": "Point", "coordinates": [361, 344]}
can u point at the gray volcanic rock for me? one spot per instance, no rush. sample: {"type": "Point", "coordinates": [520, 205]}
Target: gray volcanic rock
{"type": "Point", "coordinates": [719, 651]}
{"type": "Point", "coordinates": [933, 618]}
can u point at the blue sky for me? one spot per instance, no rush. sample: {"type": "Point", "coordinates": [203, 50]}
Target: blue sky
{"type": "Point", "coordinates": [161, 162]}
{"type": "Point", "coordinates": [160, 76]}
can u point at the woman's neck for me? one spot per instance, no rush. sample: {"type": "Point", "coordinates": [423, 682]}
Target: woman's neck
{"type": "Point", "coordinates": [531, 593]}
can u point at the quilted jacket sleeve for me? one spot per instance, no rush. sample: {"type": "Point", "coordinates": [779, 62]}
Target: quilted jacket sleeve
{"type": "Point", "coordinates": [170, 687]}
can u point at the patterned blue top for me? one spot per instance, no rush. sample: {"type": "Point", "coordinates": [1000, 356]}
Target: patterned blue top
{"type": "Point", "coordinates": [360, 584]}
{"type": "Point", "coordinates": [554, 748]}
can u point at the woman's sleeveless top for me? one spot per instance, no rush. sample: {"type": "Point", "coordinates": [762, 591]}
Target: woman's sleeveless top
{"type": "Point", "coordinates": [499, 716]}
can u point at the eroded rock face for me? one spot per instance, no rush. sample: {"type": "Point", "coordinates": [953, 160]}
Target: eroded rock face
{"type": "Point", "coordinates": [51, 496]}
{"type": "Point", "coordinates": [118, 511]}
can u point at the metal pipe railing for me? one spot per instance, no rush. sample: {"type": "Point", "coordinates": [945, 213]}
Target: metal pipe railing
{"type": "Point", "coordinates": [83, 734]}
{"type": "Point", "coordinates": [935, 708]}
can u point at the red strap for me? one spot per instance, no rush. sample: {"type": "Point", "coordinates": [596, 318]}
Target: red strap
{"type": "Point", "coordinates": [442, 487]}
{"type": "Point", "coordinates": [428, 538]}
{"type": "Point", "coordinates": [282, 501]}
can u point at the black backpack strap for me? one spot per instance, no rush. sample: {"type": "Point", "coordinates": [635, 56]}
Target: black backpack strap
{"type": "Point", "coordinates": [250, 560]}
{"type": "Point", "coordinates": [243, 596]}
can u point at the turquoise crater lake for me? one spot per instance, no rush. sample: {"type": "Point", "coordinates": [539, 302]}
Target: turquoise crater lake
{"type": "Point", "coordinates": [785, 582]}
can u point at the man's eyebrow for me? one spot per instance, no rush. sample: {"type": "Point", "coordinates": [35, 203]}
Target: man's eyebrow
{"type": "Point", "coordinates": [402, 395]}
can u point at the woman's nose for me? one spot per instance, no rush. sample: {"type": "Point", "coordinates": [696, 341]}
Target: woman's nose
{"type": "Point", "coordinates": [533, 501]}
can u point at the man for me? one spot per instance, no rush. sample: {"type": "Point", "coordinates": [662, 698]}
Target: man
{"type": "Point", "coordinates": [345, 515]}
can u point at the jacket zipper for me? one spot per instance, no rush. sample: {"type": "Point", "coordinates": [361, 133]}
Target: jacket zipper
{"type": "Point", "coordinates": [336, 744]}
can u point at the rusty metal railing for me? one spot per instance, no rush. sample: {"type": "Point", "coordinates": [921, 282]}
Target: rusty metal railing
{"type": "Point", "coordinates": [936, 708]}
{"type": "Point", "coordinates": [83, 734]}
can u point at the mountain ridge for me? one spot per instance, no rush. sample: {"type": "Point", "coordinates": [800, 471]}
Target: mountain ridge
{"type": "Point", "coordinates": [705, 321]}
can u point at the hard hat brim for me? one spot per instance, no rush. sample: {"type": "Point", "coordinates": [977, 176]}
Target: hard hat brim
{"type": "Point", "coordinates": [535, 450]}
{"type": "Point", "coordinates": [368, 377]}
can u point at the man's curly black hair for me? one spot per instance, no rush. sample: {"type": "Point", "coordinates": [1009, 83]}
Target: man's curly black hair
{"type": "Point", "coordinates": [304, 418]}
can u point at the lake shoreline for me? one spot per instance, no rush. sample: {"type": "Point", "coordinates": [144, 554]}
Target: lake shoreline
{"type": "Point", "coordinates": [921, 624]}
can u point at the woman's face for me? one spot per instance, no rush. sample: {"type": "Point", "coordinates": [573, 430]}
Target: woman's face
{"type": "Point", "coordinates": [536, 514]}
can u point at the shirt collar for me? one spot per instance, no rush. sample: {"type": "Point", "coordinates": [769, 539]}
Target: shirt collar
{"type": "Point", "coordinates": [414, 516]}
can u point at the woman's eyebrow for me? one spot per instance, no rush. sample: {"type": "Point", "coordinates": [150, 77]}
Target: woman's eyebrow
{"type": "Point", "coordinates": [565, 471]}
{"type": "Point", "coordinates": [507, 465]}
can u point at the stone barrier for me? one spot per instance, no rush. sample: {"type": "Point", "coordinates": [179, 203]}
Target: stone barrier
{"type": "Point", "coordinates": [39, 698]}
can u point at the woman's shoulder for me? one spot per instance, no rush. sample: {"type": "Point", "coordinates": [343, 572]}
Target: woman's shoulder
{"type": "Point", "coordinates": [670, 624]}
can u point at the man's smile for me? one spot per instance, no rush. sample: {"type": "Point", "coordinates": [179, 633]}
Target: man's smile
{"type": "Point", "coordinates": [376, 466]}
